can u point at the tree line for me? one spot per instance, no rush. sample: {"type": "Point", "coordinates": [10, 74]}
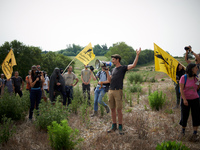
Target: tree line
{"type": "Point", "coordinates": [26, 56]}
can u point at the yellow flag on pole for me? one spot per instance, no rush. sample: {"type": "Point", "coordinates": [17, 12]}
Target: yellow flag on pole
{"type": "Point", "coordinates": [165, 62]}
{"type": "Point", "coordinates": [8, 63]}
{"type": "Point", "coordinates": [86, 55]}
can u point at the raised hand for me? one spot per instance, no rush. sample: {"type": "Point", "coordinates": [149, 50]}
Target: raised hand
{"type": "Point", "coordinates": [138, 51]}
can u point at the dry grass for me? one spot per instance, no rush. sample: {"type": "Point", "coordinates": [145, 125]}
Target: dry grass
{"type": "Point", "coordinates": [144, 129]}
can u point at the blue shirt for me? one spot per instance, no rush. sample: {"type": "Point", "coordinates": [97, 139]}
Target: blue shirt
{"type": "Point", "coordinates": [102, 77]}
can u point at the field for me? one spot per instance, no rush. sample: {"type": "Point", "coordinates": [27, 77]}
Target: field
{"type": "Point", "coordinates": [144, 128]}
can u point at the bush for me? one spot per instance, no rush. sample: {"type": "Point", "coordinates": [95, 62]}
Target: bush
{"type": "Point", "coordinates": [169, 145]}
{"type": "Point", "coordinates": [62, 136]}
{"type": "Point", "coordinates": [135, 77]}
{"type": "Point", "coordinates": [13, 106]}
{"type": "Point", "coordinates": [156, 100]}
{"type": "Point", "coordinates": [7, 129]}
{"type": "Point", "coordinates": [135, 88]}
{"type": "Point", "coordinates": [49, 113]}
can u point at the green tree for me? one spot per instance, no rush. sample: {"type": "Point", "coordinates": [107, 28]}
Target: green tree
{"type": "Point", "coordinates": [126, 52]}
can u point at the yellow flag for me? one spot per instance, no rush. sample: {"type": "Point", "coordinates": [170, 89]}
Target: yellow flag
{"type": "Point", "coordinates": [165, 62]}
{"type": "Point", "coordinates": [8, 63]}
{"type": "Point", "coordinates": [86, 55]}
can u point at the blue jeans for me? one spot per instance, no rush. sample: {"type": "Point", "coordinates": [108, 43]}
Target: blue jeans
{"type": "Point", "coordinates": [35, 97]}
{"type": "Point", "coordinates": [69, 94]}
{"type": "Point", "coordinates": [98, 95]}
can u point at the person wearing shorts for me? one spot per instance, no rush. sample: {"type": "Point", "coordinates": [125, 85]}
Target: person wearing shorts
{"type": "Point", "coordinates": [115, 92]}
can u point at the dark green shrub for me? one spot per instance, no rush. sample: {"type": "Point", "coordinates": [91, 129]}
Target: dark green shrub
{"type": "Point", "coordinates": [162, 79]}
{"type": "Point", "coordinates": [156, 100]}
{"type": "Point", "coordinates": [135, 88]}
{"type": "Point", "coordinates": [135, 77]}
{"type": "Point", "coordinates": [49, 113]}
{"type": "Point", "coordinates": [13, 106]}
{"type": "Point", "coordinates": [171, 145]}
{"type": "Point", "coordinates": [7, 129]}
{"type": "Point", "coordinates": [62, 136]}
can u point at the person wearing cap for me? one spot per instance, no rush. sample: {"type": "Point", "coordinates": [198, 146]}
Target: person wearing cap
{"type": "Point", "coordinates": [28, 87]}
{"type": "Point", "coordinates": [115, 92]}
{"type": "Point", "coordinates": [100, 90]}
{"type": "Point", "coordinates": [35, 81]}
{"type": "Point", "coordinates": [86, 77]}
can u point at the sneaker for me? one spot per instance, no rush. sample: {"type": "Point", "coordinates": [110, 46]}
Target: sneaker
{"type": "Point", "coordinates": [114, 127]}
{"type": "Point", "coordinates": [94, 114]}
{"type": "Point", "coordinates": [120, 130]}
{"type": "Point", "coordinates": [107, 109]}
{"type": "Point", "coordinates": [194, 138]}
{"type": "Point", "coordinates": [181, 136]}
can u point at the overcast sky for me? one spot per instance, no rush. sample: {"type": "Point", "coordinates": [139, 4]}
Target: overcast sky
{"type": "Point", "coordinates": [53, 24]}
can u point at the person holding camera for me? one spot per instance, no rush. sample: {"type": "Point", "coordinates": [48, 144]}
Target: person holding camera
{"type": "Point", "coordinates": [35, 81]}
{"type": "Point", "coordinates": [86, 77]}
{"type": "Point", "coordinates": [101, 89]}
{"type": "Point", "coordinates": [197, 60]}
{"type": "Point", "coordinates": [18, 84]}
{"type": "Point", "coordinates": [69, 78]}
{"type": "Point", "coordinates": [116, 86]}
{"type": "Point", "coordinates": [190, 100]}
{"type": "Point", "coordinates": [179, 72]}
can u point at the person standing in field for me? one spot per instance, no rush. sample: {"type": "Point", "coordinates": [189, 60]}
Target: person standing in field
{"type": "Point", "coordinates": [190, 101]}
{"type": "Point", "coordinates": [86, 77]}
{"type": "Point", "coordinates": [115, 92]}
{"type": "Point", "coordinates": [18, 84]}
{"type": "Point", "coordinates": [69, 78]}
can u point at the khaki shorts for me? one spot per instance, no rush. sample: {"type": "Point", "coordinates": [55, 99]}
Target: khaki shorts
{"type": "Point", "coordinates": [115, 99]}
{"type": "Point", "coordinates": [43, 93]}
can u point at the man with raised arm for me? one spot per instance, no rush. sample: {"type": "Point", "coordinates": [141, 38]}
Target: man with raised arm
{"type": "Point", "coordinates": [116, 86]}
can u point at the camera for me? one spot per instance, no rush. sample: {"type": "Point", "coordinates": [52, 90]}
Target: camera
{"type": "Point", "coordinates": [38, 73]}
{"type": "Point", "coordinates": [187, 47]}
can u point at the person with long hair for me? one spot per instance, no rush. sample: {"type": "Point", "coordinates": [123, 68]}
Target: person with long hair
{"type": "Point", "coordinates": [190, 100]}
{"type": "Point", "coordinates": [35, 94]}
{"type": "Point", "coordinates": [179, 72]}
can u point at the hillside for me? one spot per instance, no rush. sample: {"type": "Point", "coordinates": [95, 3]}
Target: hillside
{"type": "Point", "coordinates": [144, 128]}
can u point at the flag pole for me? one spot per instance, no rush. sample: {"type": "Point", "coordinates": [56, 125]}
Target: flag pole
{"type": "Point", "coordinates": [68, 65]}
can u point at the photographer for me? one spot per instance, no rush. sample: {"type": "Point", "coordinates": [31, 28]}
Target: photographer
{"type": "Point", "coordinates": [197, 60]}
{"type": "Point", "coordinates": [35, 95]}
{"type": "Point", "coordinates": [86, 77]}
{"type": "Point", "coordinates": [101, 89]}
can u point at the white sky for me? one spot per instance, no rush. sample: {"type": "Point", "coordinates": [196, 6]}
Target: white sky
{"type": "Point", "coordinates": [53, 24]}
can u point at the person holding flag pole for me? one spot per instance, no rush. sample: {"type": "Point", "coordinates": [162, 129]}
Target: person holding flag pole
{"type": "Point", "coordinates": [85, 56]}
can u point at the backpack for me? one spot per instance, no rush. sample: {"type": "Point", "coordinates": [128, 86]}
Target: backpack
{"type": "Point", "coordinates": [185, 78]}
{"type": "Point", "coordinates": [107, 84]}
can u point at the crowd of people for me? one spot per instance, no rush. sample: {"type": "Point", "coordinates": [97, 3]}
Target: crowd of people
{"type": "Point", "coordinates": [38, 83]}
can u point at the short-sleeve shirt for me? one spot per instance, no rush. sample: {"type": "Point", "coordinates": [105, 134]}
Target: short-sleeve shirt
{"type": "Point", "coordinates": [102, 77]}
{"type": "Point", "coordinates": [190, 89]}
{"type": "Point", "coordinates": [17, 82]}
{"type": "Point", "coordinates": [86, 75]}
{"type": "Point", "coordinates": [46, 83]}
{"type": "Point", "coordinates": [8, 84]}
{"type": "Point", "coordinates": [69, 78]}
{"type": "Point", "coordinates": [118, 74]}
